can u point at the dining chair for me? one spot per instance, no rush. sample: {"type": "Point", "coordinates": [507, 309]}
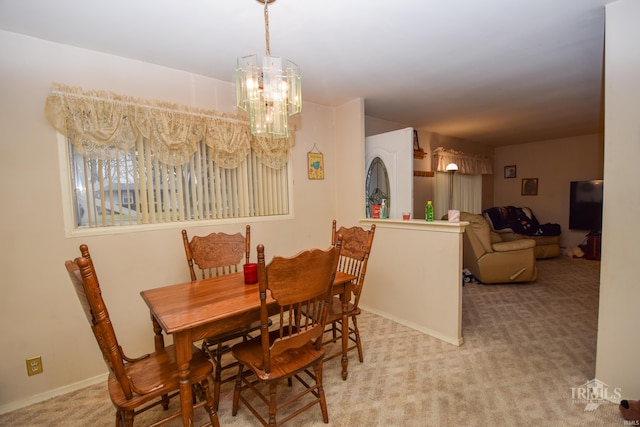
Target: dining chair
{"type": "Point", "coordinates": [354, 256]}
{"type": "Point", "coordinates": [213, 255]}
{"type": "Point", "coordinates": [216, 254]}
{"type": "Point", "coordinates": [136, 385]}
{"type": "Point", "coordinates": [293, 345]}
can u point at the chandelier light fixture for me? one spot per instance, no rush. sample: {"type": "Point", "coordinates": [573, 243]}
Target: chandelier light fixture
{"type": "Point", "coordinates": [269, 92]}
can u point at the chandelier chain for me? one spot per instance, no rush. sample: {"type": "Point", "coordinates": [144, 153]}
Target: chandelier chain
{"type": "Point", "coordinates": [266, 25]}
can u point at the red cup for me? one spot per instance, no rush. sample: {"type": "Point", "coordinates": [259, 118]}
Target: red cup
{"type": "Point", "coordinates": [250, 273]}
{"type": "Point", "coordinates": [375, 211]}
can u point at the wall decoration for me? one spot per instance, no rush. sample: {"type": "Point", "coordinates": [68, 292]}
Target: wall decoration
{"type": "Point", "coordinates": [510, 171]}
{"type": "Point", "coordinates": [529, 186]}
{"type": "Point", "coordinates": [418, 153]}
{"type": "Point", "coordinates": [315, 163]}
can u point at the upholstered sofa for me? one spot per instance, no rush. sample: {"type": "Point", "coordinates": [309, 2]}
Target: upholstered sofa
{"type": "Point", "coordinates": [492, 260]}
{"type": "Point", "coordinates": [513, 223]}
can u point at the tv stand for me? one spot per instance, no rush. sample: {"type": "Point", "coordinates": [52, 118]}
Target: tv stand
{"type": "Point", "coordinates": [592, 248]}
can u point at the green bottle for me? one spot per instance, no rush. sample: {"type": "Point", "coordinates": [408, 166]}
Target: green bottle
{"type": "Point", "coordinates": [428, 211]}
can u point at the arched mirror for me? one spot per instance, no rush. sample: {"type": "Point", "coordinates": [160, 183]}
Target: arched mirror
{"type": "Point", "coordinates": [377, 185]}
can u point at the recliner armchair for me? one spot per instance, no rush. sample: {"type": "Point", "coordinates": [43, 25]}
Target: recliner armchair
{"type": "Point", "coordinates": [490, 259]}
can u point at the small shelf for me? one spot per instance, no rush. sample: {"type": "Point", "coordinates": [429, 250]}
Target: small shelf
{"type": "Point", "coordinates": [418, 224]}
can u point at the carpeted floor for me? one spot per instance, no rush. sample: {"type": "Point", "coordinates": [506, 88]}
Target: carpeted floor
{"type": "Point", "coordinates": [527, 348]}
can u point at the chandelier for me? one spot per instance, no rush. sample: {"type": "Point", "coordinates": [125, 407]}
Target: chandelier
{"type": "Point", "coordinates": [271, 92]}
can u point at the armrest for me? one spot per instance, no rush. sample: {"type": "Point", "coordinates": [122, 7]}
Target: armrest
{"type": "Point", "coordinates": [514, 245]}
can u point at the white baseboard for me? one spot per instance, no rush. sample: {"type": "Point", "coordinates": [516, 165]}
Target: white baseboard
{"type": "Point", "coordinates": [451, 340]}
{"type": "Point", "coordinates": [53, 393]}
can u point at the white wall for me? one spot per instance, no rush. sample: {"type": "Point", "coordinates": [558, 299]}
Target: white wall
{"type": "Point", "coordinates": [413, 275]}
{"type": "Point", "coordinates": [350, 172]}
{"type": "Point", "coordinates": [618, 333]}
{"type": "Point", "coordinates": [555, 163]}
{"type": "Point", "coordinates": [375, 126]}
{"type": "Point", "coordinates": [39, 311]}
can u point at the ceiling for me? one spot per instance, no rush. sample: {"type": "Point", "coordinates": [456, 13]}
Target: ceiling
{"type": "Point", "coordinates": [498, 72]}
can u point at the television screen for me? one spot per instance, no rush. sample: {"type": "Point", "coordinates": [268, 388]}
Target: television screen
{"type": "Point", "coordinates": [585, 209]}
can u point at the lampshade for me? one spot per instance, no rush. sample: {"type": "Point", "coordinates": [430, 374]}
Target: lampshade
{"type": "Point", "coordinates": [451, 167]}
{"type": "Point", "coordinates": [270, 90]}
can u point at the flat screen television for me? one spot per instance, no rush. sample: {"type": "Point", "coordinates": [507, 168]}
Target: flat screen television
{"type": "Point", "coordinates": [585, 208]}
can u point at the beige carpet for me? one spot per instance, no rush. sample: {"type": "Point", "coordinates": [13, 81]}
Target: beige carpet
{"type": "Point", "coordinates": [526, 346]}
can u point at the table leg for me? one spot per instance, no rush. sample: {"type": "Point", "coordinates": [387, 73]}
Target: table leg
{"type": "Point", "coordinates": [346, 297]}
{"type": "Point", "coordinates": [158, 338]}
{"type": "Point", "coordinates": [158, 341]}
{"type": "Point", "coordinates": [182, 343]}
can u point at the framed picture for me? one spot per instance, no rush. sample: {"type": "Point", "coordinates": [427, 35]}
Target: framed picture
{"type": "Point", "coordinates": [510, 171]}
{"type": "Point", "coordinates": [529, 186]}
{"type": "Point", "coordinates": [315, 162]}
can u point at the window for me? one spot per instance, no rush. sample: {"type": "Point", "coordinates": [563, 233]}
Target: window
{"type": "Point", "coordinates": [137, 162]}
{"type": "Point", "coordinates": [467, 193]}
{"type": "Point", "coordinates": [462, 189]}
{"type": "Point", "coordinates": [135, 188]}
{"type": "Point", "coordinates": [377, 185]}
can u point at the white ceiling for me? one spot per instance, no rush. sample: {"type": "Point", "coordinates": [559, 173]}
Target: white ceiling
{"type": "Point", "coordinates": [493, 71]}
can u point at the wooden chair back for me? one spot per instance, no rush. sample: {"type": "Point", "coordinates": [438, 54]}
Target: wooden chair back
{"type": "Point", "coordinates": [354, 255]}
{"type": "Point", "coordinates": [299, 284]}
{"type": "Point", "coordinates": [217, 254]}
{"type": "Point", "coordinates": [87, 287]}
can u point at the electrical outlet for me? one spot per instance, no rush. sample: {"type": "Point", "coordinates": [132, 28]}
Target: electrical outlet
{"type": "Point", "coordinates": [34, 365]}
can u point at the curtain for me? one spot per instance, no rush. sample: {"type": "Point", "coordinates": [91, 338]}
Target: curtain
{"type": "Point", "coordinates": [466, 196]}
{"type": "Point", "coordinates": [102, 124]}
{"type": "Point", "coordinates": [471, 164]}
{"type": "Point", "coordinates": [467, 193]}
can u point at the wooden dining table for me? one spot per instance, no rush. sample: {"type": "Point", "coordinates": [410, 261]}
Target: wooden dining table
{"type": "Point", "coordinates": [192, 311]}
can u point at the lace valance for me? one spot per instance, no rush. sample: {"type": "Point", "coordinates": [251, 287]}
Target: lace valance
{"type": "Point", "coordinates": [471, 164]}
{"type": "Point", "coordinates": [102, 124]}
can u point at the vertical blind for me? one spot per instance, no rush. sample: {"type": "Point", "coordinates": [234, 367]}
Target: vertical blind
{"type": "Point", "coordinates": [138, 189]}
